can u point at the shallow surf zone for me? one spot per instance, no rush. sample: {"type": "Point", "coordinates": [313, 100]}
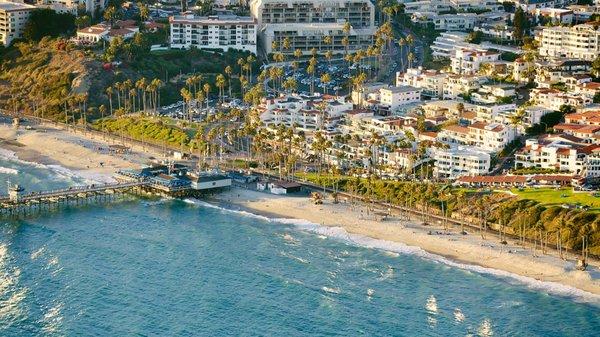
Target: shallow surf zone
{"type": "Point", "coordinates": [403, 249]}
{"type": "Point", "coordinates": [7, 170]}
{"type": "Point", "coordinates": [60, 172]}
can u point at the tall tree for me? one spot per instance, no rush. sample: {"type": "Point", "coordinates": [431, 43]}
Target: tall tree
{"type": "Point", "coordinates": [521, 24]}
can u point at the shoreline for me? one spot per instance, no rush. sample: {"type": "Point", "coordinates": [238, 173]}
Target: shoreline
{"type": "Point", "coordinates": [56, 147]}
{"type": "Point", "coordinates": [469, 252]}
{"type": "Point", "coordinates": [87, 157]}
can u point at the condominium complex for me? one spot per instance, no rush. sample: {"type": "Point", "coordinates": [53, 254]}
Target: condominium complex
{"type": "Point", "coordinates": [306, 23]}
{"type": "Point", "coordinates": [72, 6]}
{"type": "Point", "coordinates": [490, 137]}
{"type": "Point", "coordinates": [13, 17]}
{"type": "Point", "coordinates": [468, 61]}
{"type": "Point", "coordinates": [460, 161]}
{"type": "Point", "coordinates": [213, 32]}
{"type": "Point", "coordinates": [305, 113]}
{"type": "Point", "coordinates": [580, 42]}
{"type": "Point", "coordinates": [560, 153]}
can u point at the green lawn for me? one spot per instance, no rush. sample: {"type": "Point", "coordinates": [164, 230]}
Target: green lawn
{"type": "Point", "coordinates": [557, 197]}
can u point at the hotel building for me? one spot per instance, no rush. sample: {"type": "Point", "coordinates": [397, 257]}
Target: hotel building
{"type": "Point", "coordinates": [13, 17]}
{"type": "Point", "coordinates": [306, 23]}
{"type": "Point", "coordinates": [579, 42]}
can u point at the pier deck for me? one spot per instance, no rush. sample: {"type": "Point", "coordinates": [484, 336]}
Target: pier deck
{"type": "Point", "coordinates": [27, 203]}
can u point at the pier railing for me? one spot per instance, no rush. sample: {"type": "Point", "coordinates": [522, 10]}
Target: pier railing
{"type": "Point", "coordinates": [73, 191]}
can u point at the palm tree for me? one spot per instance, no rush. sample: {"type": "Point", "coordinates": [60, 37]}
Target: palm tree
{"type": "Point", "coordinates": [102, 110]}
{"type": "Point", "coordinates": [357, 82]}
{"type": "Point", "coordinates": [329, 56]}
{"type": "Point", "coordinates": [132, 94]}
{"type": "Point", "coordinates": [286, 45]}
{"type": "Point", "coordinates": [109, 93]}
{"type": "Point", "coordinates": [290, 84]}
{"type": "Point", "coordinates": [141, 85]}
{"type": "Point", "coordinates": [410, 58]}
{"type": "Point", "coordinates": [346, 40]}
{"type": "Point", "coordinates": [312, 64]}
{"type": "Point", "coordinates": [187, 98]}
{"type": "Point", "coordinates": [325, 80]}
{"type": "Point", "coordinates": [206, 88]}
{"type": "Point", "coordinates": [410, 41]}
{"type": "Point", "coordinates": [401, 44]}
{"type": "Point", "coordinates": [327, 40]}
{"type": "Point", "coordinates": [485, 68]}
{"type": "Point", "coordinates": [229, 71]}
{"type": "Point", "coordinates": [249, 60]}
{"type": "Point", "coordinates": [517, 118]}
{"type": "Point", "coordinates": [199, 97]}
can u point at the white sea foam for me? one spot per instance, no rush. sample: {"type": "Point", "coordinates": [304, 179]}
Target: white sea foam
{"type": "Point", "coordinates": [331, 290]}
{"type": "Point", "coordinates": [209, 205]}
{"type": "Point", "coordinates": [397, 247]}
{"type": "Point", "coordinates": [57, 170]}
{"type": "Point", "coordinates": [7, 170]}
{"type": "Point", "coordinates": [459, 317]}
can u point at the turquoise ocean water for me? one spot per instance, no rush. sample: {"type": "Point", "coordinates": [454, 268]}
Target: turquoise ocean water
{"type": "Point", "coordinates": [175, 268]}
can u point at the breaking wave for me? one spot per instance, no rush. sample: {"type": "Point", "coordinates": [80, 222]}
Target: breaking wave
{"type": "Point", "coordinates": [400, 248]}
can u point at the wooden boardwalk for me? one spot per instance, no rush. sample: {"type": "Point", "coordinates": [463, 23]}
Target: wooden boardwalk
{"type": "Point", "coordinates": [33, 202]}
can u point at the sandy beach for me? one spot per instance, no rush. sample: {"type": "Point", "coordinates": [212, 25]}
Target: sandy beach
{"type": "Point", "coordinates": [90, 159]}
{"type": "Point", "coordinates": [470, 249]}
{"type": "Point", "coordinates": [87, 157]}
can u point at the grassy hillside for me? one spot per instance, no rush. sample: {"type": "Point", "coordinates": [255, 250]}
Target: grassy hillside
{"type": "Point", "coordinates": [48, 75]}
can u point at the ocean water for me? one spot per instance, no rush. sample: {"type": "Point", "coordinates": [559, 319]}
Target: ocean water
{"type": "Point", "coordinates": [185, 268]}
{"type": "Point", "coordinates": [33, 176]}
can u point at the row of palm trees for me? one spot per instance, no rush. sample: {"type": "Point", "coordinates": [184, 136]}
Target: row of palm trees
{"type": "Point", "coordinates": [141, 95]}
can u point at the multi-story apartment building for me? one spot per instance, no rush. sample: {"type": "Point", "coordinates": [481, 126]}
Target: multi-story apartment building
{"type": "Point", "coordinates": [13, 17]}
{"type": "Point", "coordinates": [434, 6]}
{"type": "Point", "coordinates": [450, 22]}
{"type": "Point", "coordinates": [213, 32]}
{"type": "Point", "coordinates": [463, 5]}
{"type": "Point", "coordinates": [554, 99]}
{"type": "Point", "coordinates": [555, 15]}
{"type": "Point", "coordinates": [304, 113]}
{"type": "Point", "coordinates": [578, 42]}
{"type": "Point", "coordinates": [591, 117]}
{"type": "Point", "coordinates": [305, 24]}
{"type": "Point", "coordinates": [556, 153]}
{"type": "Point", "coordinates": [393, 97]}
{"type": "Point", "coordinates": [501, 32]}
{"type": "Point", "coordinates": [456, 85]}
{"type": "Point", "coordinates": [468, 61]}
{"type": "Point", "coordinates": [446, 44]}
{"type": "Point", "coordinates": [490, 137]}
{"type": "Point", "coordinates": [460, 161]}
{"type": "Point", "coordinates": [72, 6]}
{"type": "Point", "coordinates": [431, 82]}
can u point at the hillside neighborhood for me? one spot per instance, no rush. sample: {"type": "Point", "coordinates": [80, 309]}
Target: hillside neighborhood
{"type": "Point", "coordinates": [435, 89]}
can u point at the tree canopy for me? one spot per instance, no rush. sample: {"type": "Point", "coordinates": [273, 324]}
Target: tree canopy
{"type": "Point", "coordinates": [46, 22]}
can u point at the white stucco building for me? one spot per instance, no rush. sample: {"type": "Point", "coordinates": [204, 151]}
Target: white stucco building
{"type": "Point", "coordinates": [578, 42]}
{"type": "Point", "coordinates": [460, 161]}
{"type": "Point", "coordinates": [13, 17]}
{"type": "Point", "coordinates": [213, 32]}
{"type": "Point", "coordinates": [306, 24]}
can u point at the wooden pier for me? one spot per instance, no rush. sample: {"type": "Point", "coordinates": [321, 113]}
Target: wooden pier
{"type": "Point", "coordinates": [18, 203]}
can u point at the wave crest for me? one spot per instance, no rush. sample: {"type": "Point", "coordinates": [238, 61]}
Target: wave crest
{"type": "Point", "coordinates": [401, 248]}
